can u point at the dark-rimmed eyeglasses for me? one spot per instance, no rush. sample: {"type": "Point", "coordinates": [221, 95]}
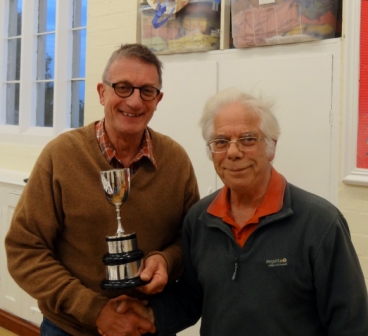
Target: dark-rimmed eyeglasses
{"type": "Point", "coordinates": [222, 145]}
{"type": "Point", "coordinates": [125, 90]}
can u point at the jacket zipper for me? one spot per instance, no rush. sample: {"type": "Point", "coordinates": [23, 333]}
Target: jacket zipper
{"type": "Point", "coordinates": [236, 266]}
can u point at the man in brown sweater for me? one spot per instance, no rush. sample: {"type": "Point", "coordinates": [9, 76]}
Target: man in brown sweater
{"type": "Point", "coordinates": [57, 236]}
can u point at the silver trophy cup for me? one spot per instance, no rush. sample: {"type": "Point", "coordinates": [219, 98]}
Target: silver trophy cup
{"type": "Point", "coordinates": [123, 260]}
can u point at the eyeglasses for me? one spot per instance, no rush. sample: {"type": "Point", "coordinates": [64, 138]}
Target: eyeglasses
{"type": "Point", "coordinates": [125, 90]}
{"type": "Point", "coordinates": [222, 145]}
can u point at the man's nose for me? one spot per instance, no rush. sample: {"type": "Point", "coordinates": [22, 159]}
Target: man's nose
{"type": "Point", "coordinates": [135, 98]}
{"type": "Point", "coordinates": [233, 149]}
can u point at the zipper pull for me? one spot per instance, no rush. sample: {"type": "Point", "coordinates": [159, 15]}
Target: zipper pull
{"type": "Point", "coordinates": [235, 269]}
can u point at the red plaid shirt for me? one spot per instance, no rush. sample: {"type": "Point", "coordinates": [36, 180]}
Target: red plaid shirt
{"type": "Point", "coordinates": [109, 151]}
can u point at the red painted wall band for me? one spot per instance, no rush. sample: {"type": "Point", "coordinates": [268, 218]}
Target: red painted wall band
{"type": "Point", "coordinates": [362, 145]}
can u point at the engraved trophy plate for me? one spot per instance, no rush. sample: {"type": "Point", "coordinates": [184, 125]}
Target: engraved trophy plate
{"type": "Point", "coordinates": [123, 260]}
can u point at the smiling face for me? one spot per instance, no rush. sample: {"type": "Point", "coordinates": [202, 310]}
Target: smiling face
{"type": "Point", "coordinates": [242, 171]}
{"type": "Point", "coordinates": [128, 117]}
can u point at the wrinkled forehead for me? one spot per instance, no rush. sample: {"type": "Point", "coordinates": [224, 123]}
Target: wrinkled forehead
{"type": "Point", "coordinates": [124, 67]}
{"type": "Point", "coordinates": [236, 114]}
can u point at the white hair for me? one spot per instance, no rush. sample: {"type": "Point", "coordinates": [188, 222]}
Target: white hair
{"type": "Point", "coordinates": [268, 123]}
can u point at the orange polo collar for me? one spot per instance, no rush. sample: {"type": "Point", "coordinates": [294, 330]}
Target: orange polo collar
{"type": "Point", "coordinates": [271, 203]}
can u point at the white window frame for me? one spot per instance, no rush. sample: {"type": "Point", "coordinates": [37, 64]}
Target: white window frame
{"type": "Point", "coordinates": [26, 133]}
{"type": "Point", "coordinates": [351, 173]}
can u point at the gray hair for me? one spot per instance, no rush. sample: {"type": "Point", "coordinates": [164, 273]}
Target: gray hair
{"type": "Point", "coordinates": [134, 50]}
{"type": "Point", "coordinates": [268, 123]}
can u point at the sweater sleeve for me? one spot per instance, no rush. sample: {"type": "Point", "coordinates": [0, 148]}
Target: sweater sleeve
{"type": "Point", "coordinates": [340, 288]}
{"type": "Point", "coordinates": [32, 255]}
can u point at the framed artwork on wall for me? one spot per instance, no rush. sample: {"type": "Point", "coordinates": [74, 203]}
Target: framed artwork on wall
{"type": "Point", "coordinates": [355, 138]}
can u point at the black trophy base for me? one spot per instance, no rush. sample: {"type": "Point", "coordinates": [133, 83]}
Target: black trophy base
{"type": "Point", "coordinates": [121, 284]}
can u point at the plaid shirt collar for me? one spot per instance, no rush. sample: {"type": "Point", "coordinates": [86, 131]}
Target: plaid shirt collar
{"type": "Point", "coordinates": [109, 151]}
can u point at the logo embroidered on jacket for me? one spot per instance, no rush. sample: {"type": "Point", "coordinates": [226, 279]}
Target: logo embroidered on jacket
{"type": "Point", "coordinates": [276, 262]}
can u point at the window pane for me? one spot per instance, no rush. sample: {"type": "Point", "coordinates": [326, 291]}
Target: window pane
{"type": "Point", "coordinates": [45, 104]}
{"type": "Point", "coordinates": [45, 56]}
{"type": "Point", "coordinates": [12, 104]}
{"type": "Point", "coordinates": [80, 13]}
{"type": "Point", "coordinates": [77, 114]}
{"type": "Point", "coordinates": [46, 15]}
{"type": "Point", "coordinates": [15, 18]}
{"type": "Point", "coordinates": [79, 53]}
{"type": "Point", "coordinates": [13, 72]}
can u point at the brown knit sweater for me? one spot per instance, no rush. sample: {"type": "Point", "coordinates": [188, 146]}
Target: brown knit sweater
{"type": "Point", "coordinates": [57, 236]}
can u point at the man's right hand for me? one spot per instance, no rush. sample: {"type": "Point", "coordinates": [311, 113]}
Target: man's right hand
{"type": "Point", "coordinates": [118, 317]}
{"type": "Point", "coordinates": [137, 306]}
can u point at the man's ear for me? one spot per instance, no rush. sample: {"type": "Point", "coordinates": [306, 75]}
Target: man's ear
{"type": "Point", "coordinates": [101, 93]}
{"type": "Point", "coordinates": [159, 97]}
{"type": "Point", "coordinates": [272, 156]}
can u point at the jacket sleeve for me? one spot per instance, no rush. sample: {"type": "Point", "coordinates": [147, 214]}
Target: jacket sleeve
{"type": "Point", "coordinates": [340, 287]}
{"type": "Point", "coordinates": [32, 257]}
{"type": "Point", "coordinates": [173, 253]}
{"type": "Point", "coordinates": [180, 305]}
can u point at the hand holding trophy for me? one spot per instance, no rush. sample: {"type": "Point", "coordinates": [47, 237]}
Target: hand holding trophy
{"type": "Point", "coordinates": [124, 260]}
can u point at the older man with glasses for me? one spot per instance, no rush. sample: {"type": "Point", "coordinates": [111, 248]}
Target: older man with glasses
{"type": "Point", "coordinates": [56, 240]}
{"type": "Point", "coordinates": [262, 256]}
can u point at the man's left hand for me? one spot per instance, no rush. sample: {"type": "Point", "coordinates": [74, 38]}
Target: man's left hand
{"type": "Point", "coordinates": [155, 269]}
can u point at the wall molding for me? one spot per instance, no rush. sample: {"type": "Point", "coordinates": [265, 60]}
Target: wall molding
{"type": "Point", "coordinates": [17, 325]}
{"type": "Point", "coordinates": [13, 178]}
